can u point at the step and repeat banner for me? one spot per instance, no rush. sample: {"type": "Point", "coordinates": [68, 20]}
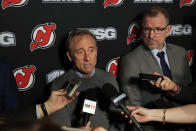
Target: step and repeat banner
{"type": "Point", "coordinates": [33, 33]}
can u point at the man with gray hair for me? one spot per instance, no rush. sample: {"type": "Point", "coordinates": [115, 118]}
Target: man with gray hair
{"type": "Point", "coordinates": [82, 52]}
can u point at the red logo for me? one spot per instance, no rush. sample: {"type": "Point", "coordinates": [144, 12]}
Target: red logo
{"type": "Point", "coordinates": [112, 3]}
{"type": "Point", "coordinates": [190, 54]}
{"type": "Point", "coordinates": [14, 3]}
{"type": "Point", "coordinates": [134, 32]}
{"type": "Point", "coordinates": [25, 77]}
{"type": "Point", "coordinates": [43, 36]}
{"type": "Point", "coordinates": [186, 3]}
{"type": "Point", "coordinates": [112, 66]}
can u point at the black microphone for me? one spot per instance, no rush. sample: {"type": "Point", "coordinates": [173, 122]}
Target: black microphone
{"type": "Point", "coordinates": [71, 86]}
{"type": "Point", "coordinates": [150, 77]}
{"type": "Point", "coordinates": [89, 105]}
{"type": "Point", "coordinates": [118, 100]}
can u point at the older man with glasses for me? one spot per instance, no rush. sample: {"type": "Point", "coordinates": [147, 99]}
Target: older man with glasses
{"type": "Point", "coordinates": [155, 56]}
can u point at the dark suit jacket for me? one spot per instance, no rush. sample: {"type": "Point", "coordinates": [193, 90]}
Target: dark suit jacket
{"type": "Point", "coordinates": [187, 94]}
{"type": "Point", "coordinates": [8, 88]}
{"type": "Point", "coordinates": [19, 113]}
{"type": "Point", "coordinates": [9, 104]}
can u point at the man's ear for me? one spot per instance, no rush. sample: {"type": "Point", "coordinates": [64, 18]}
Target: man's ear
{"type": "Point", "coordinates": [69, 55]}
{"type": "Point", "coordinates": [168, 29]}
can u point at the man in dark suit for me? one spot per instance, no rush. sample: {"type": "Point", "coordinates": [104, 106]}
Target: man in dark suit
{"type": "Point", "coordinates": [8, 88]}
{"type": "Point", "coordinates": [154, 55]}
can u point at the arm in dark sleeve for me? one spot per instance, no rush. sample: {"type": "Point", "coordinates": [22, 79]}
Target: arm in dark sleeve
{"type": "Point", "coordinates": [129, 81]}
{"type": "Point", "coordinates": [20, 113]}
{"type": "Point", "coordinates": [9, 90]}
{"type": "Point", "coordinates": [187, 95]}
{"type": "Point", "coordinates": [186, 86]}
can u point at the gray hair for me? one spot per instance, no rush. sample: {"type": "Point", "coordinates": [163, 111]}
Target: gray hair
{"type": "Point", "coordinates": [78, 32]}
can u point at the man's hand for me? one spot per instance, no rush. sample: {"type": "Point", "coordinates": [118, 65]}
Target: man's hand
{"type": "Point", "coordinates": [166, 84]}
{"type": "Point", "coordinates": [58, 100]}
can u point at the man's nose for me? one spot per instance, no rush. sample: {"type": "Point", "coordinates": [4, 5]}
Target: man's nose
{"type": "Point", "coordinates": [151, 33]}
{"type": "Point", "coordinates": [86, 56]}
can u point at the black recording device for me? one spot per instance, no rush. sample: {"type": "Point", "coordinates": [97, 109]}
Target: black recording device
{"type": "Point", "coordinates": [72, 86]}
{"type": "Point", "coordinates": [150, 77]}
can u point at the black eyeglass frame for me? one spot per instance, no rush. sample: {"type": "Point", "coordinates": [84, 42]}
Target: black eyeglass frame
{"type": "Point", "coordinates": [156, 30]}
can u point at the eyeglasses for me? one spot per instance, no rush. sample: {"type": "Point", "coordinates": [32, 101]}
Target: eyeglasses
{"type": "Point", "coordinates": [156, 30]}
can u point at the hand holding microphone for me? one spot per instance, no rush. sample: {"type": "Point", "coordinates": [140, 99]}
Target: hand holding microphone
{"type": "Point", "coordinates": [165, 83]}
{"type": "Point", "coordinates": [72, 86]}
{"type": "Point", "coordinates": [141, 114]}
{"type": "Point", "coordinates": [60, 98]}
{"type": "Point", "coordinates": [118, 101]}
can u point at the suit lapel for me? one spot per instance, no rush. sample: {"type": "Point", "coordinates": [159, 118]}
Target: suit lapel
{"type": "Point", "coordinates": [171, 59]}
{"type": "Point", "coordinates": [149, 59]}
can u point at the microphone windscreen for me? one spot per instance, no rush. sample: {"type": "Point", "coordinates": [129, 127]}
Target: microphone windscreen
{"type": "Point", "coordinates": [91, 94]}
{"type": "Point", "coordinates": [109, 90]}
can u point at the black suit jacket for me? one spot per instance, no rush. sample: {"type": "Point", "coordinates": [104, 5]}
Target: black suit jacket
{"type": "Point", "coordinates": [8, 88]}
{"type": "Point", "coordinates": [19, 113]}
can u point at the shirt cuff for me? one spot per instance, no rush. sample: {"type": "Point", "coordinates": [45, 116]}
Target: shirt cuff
{"type": "Point", "coordinates": [38, 112]}
{"type": "Point", "coordinates": [176, 92]}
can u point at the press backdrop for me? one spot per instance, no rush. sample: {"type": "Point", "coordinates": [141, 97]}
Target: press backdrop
{"type": "Point", "coordinates": [33, 32]}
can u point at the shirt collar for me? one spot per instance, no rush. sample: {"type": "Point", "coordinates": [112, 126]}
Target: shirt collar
{"type": "Point", "coordinates": [155, 51]}
{"type": "Point", "coordinates": [80, 75]}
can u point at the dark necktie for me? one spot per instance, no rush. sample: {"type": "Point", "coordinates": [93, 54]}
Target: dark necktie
{"type": "Point", "coordinates": [166, 71]}
{"type": "Point", "coordinates": [164, 66]}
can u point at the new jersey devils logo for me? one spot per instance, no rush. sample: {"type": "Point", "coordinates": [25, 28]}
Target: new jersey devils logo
{"type": "Point", "coordinates": [112, 66]}
{"type": "Point", "coordinates": [190, 54]}
{"type": "Point", "coordinates": [134, 32]}
{"type": "Point", "coordinates": [186, 3]}
{"type": "Point", "coordinates": [43, 36]}
{"type": "Point", "coordinates": [112, 3]}
{"type": "Point", "coordinates": [25, 77]}
{"type": "Point", "coordinates": [13, 3]}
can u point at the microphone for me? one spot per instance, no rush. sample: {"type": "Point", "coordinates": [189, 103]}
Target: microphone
{"type": "Point", "coordinates": [150, 77]}
{"type": "Point", "coordinates": [89, 105]}
{"type": "Point", "coordinates": [71, 86]}
{"type": "Point", "coordinates": [118, 101]}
